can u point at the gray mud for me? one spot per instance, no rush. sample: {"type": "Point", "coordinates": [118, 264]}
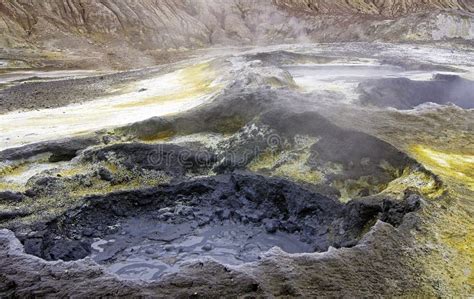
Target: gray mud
{"type": "Point", "coordinates": [231, 218]}
{"type": "Point", "coordinates": [147, 249]}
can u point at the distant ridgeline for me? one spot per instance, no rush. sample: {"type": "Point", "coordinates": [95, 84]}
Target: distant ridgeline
{"type": "Point", "coordinates": [116, 26]}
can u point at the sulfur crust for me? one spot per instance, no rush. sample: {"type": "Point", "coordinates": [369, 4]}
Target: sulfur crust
{"type": "Point", "coordinates": [458, 167]}
{"type": "Point", "coordinates": [195, 80]}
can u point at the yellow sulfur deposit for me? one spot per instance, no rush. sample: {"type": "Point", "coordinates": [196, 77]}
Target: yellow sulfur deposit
{"type": "Point", "coordinates": [290, 164]}
{"type": "Point", "coordinates": [424, 182]}
{"type": "Point", "coordinates": [194, 81]}
{"type": "Point", "coordinates": [455, 167]}
{"type": "Point", "coordinates": [456, 225]}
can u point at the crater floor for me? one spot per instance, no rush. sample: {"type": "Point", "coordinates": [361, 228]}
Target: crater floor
{"type": "Point", "coordinates": [289, 170]}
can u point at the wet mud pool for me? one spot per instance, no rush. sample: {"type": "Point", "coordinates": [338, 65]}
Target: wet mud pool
{"type": "Point", "coordinates": [165, 246]}
{"type": "Point", "coordinates": [232, 219]}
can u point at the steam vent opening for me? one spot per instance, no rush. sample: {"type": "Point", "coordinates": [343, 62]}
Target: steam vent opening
{"type": "Point", "coordinates": [233, 219]}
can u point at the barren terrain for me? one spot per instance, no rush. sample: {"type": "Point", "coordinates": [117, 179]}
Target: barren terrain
{"type": "Point", "coordinates": [199, 153]}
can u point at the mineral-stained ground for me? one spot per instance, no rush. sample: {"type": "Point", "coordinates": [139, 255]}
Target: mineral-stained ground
{"type": "Point", "coordinates": [324, 170]}
{"type": "Point", "coordinates": [299, 170]}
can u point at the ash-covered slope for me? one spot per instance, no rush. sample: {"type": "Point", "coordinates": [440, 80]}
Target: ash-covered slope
{"type": "Point", "coordinates": [123, 30]}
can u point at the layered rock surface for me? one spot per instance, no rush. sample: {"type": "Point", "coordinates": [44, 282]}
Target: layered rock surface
{"type": "Point", "coordinates": [134, 31]}
{"type": "Point", "coordinates": [386, 8]}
